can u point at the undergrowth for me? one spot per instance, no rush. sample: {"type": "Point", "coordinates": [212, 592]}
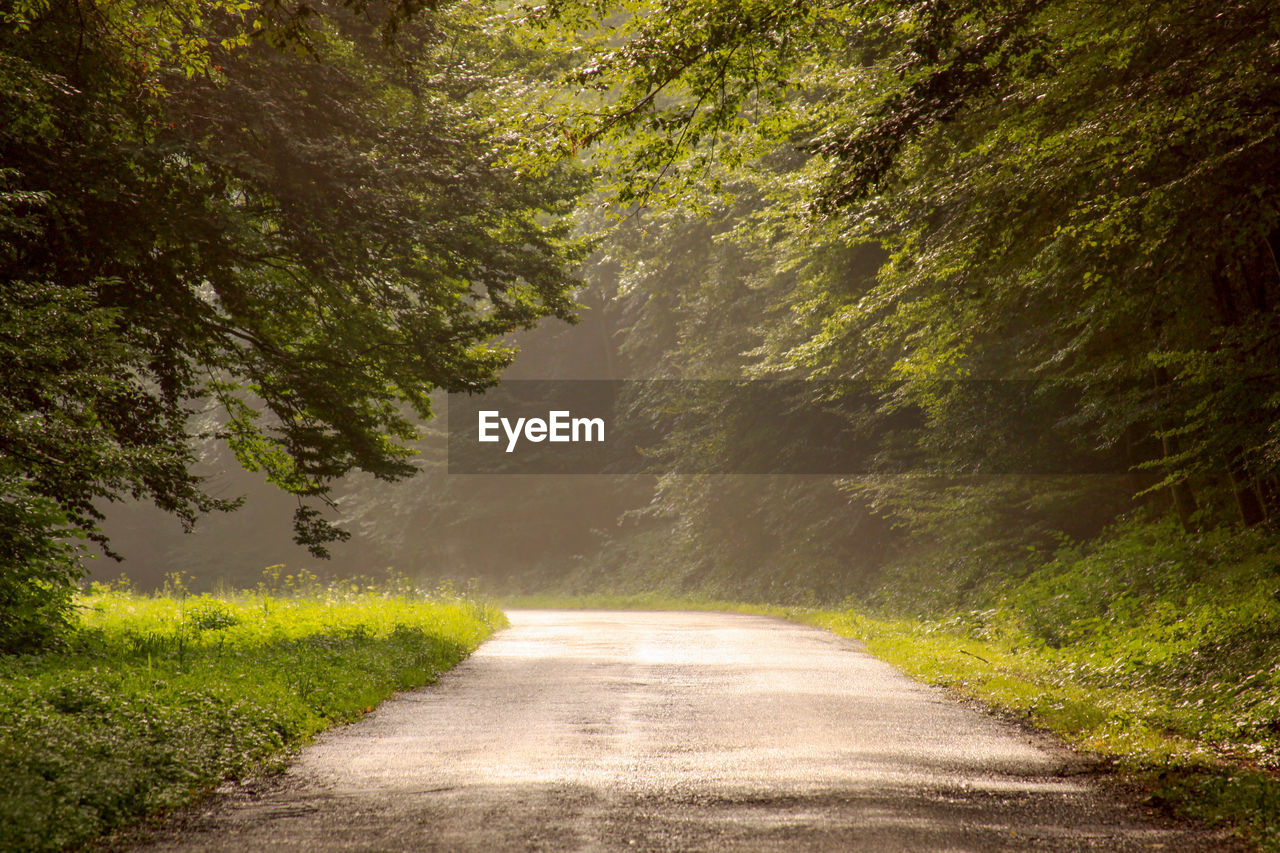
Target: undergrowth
{"type": "Point", "coordinates": [160, 698]}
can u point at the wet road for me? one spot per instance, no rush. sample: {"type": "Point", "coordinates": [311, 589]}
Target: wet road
{"type": "Point", "coordinates": [600, 731]}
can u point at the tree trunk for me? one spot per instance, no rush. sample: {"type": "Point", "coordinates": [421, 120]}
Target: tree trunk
{"type": "Point", "coordinates": [1184, 499]}
{"type": "Point", "coordinates": [1248, 501]}
{"type": "Point", "coordinates": [1269, 490]}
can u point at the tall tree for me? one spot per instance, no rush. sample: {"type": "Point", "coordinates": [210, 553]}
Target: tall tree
{"type": "Point", "coordinates": [302, 217]}
{"type": "Point", "coordinates": [1022, 189]}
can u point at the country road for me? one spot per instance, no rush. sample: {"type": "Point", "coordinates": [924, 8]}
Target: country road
{"type": "Point", "coordinates": [598, 731]}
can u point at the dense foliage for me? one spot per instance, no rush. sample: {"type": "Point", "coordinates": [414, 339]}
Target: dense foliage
{"type": "Point", "coordinates": [923, 192]}
{"type": "Point", "coordinates": [299, 220]}
{"type": "Point", "coordinates": [941, 192]}
{"type": "Point", "coordinates": [931, 193]}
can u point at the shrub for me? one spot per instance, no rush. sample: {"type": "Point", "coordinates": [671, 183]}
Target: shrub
{"type": "Point", "coordinates": [38, 571]}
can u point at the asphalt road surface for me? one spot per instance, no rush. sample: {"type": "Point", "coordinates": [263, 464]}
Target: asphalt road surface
{"type": "Point", "coordinates": [600, 731]}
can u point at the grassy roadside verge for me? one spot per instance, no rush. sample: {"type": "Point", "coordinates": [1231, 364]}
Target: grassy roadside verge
{"type": "Point", "coordinates": [1201, 749]}
{"type": "Point", "coordinates": [1155, 735]}
{"type": "Point", "coordinates": [160, 698]}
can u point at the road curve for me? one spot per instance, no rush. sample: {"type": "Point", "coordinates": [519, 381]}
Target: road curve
{"type": "Point", "coordinates": [601, 731]}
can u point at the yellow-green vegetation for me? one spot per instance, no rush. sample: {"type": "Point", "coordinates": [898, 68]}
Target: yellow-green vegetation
{"type": "Point", "coordinates": [1157, 651]}
{"type": "Point", "coordinates": [160, 697]}
{"type": "Point", "coordinates": [1202, 753]}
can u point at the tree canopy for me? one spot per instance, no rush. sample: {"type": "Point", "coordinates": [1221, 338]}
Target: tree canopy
{"type": "Point", "coordinates": [937, 192]}
{"type": "Point", "coordinates": [284, 226]}
{"type": "Point", "coordinates": [287, 224]}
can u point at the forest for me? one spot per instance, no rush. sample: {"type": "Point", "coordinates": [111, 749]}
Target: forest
{"type": "Point", "coordinates": [244, 237]}
{"type": "Point", "coordinates": [261, 236]}
{"type": "Point", "coordinates": [253, 251]}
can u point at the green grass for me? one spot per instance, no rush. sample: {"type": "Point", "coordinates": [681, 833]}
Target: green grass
{"type": "Point", "coordinates": [1198, 753]}
{"type": "Point", "coordinates": [160, 698]}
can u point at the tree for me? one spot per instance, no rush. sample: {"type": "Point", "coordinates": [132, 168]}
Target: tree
{"type": "Point", "coordinates": [943, 192]}
{"type": "Point", "coordinates": [303, 219]}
